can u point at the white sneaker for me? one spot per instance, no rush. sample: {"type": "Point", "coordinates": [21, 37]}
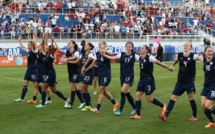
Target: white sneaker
{"type": "Point", "coordinates": [68, 106]}
{"type": "Point", "coordinates": [48, 102]}
{"type": "Point", "coordinates": [94, 93]}
{"type": "Point", "coordinates": [81, 105]}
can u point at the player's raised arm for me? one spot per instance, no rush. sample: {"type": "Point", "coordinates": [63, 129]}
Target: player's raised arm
{"type": "Point", "coordinates": [21, 45]}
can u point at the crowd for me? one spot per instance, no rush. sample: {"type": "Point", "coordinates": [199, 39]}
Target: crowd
{"type": "Point", "coordinates": [82, 20]}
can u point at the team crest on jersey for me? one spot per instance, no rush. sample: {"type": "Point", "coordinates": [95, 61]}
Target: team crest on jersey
{"type": "Point", "coordinates": [211, 63]}
{"type": "Point", "coordinates": [144, 60]}
{"type": "Point", "coordinates": [130, 56]}
{"type": "Point", "coordinates": [188, 58]}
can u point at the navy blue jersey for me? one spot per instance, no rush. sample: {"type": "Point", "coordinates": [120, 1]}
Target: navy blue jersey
{"type": "Point", "coordinates": [40, 57]}
{"type": "Point", "coordinates": [103, 64]}
{"type": "Point", "coordinates": [209, 69]}
{"type": "Point", "coordinates": [32, 59]}
{"type": "Point", "coordinates": [72, 68]}
{"type": "Point", "coordinates": [187, 68]}
{"type": "Point", "coordinates": [146, 67]}
{"type": "Point", "coordinates": [127, 64]}
{"type": "Point", "coordinates": [48, 63]}
{"type": "Point", "coordinates": [84, 58]}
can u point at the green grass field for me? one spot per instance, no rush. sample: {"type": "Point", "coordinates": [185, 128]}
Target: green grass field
{"type": "Point", "coordinates": [24, 118]}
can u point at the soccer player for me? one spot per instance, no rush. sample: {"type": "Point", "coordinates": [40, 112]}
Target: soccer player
{"type": "Point", "coordinates": [31, 72]}
{"type": "Point", "coordinates": [87, 58]}
{"type": "Point", "coordinates": [49, 76]}
{"type": "Point", "coordinates": [185, 81]}
{"type": "Point", "coordinates": [39, 77]}
{"type": "Point", "coordinates": [208, 92]}
{"type": "Point", "coordinates": [104, 77]}
{"type": "Point", "coordinates": [146, 83]}
{"type": "Point", "coordinates": [127, 60]}
{"type": "Point", "coordinates": [73, 70]}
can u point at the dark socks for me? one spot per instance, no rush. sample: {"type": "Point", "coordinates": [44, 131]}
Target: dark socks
{"type": "Point", "coordinates": [113, 101]}
{"type": "Point", "coordinates": [194, 107]}
{"type": "Point", "coordinates": [24, 91]}
{"type": "Point", "coordinates": [122, 101]}
{"type": "Point", "coordinates": [98, 106]}
{"type": "Point", "coordinates": [43, 97]}
{"type": "Point", "coordinates": [59, 94]}
{"type": "Point", "coordinates": [40, 89]}
{"type": "Point", "coordinates": [157, 102]}
{"type": "Point", "coordinates": [131, 100]}
{"type": "Point", "coordinates": [72, 97]}
{"type": "Point", "coordinates": [169, 107]}
{"type": "Point", "coordinates": [138, 107]}
{"type": "Point", "coordinates": [85, 97]}
{"type": "Point", "coordinates": [89, 98]}
{"type": "Point", "coordinates": [212, 110]}
{"type": "Point", "coordinates": [49, 98]}
{"type": "Point", "coordinates": [34, 98]}
{"type": "Point", "coordinates": [208, 115]}
{"type": "Point", "coordinates": [78, 93]}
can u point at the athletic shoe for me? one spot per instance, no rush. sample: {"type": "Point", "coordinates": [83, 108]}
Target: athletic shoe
{"type": "Point", "coordinates": [48, 102]}
{"type": "Point", "coordinates": [95, 110]}
{"type": "Point", "coordinates": [115, 106]}
{"type": "Point", "coordinates": [19, 100]}
{"type": "Point", "coordinates": [66, 103]}
{"type": "Point", "coordinates": [133, 112]}
{"type": "Point", "coordinates": [68, 106]}
{"type": "Point", "coordinates": [32, 101]}
{"type": "Point", "coordinates": [81, 105]}
{"type": "Point", "coordinates": [162, 117]}
{"type": "Point", "coordinates": [118, 112]}
{"type": "Point", "coordinates": [94, 93]}
{"type": "Point", "coordinates": [210, 124]}
{"type": "Point", "coordinates": [163, 110]}
{"type": "Point", "coordinates": [86, 108]}
{"type": "Point", "coordinates": [192, 119]}
{"type": "Point", "coordinates": [135, 117]}
{"type": "Point", "coordinates": [40, 106]}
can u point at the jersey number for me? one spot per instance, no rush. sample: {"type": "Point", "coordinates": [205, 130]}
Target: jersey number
{"type": "Point", "coordinates": [127, 60]}
{"type": "Point", "coordinates": [185, 63]}
{"type": "Point", "coordinates": [141, 65]}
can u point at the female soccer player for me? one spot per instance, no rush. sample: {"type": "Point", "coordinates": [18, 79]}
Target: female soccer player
{"type": "Point", "coordinates": [104, 77]}
{"type": "Point", "coordinates": [73, 70]}
{"type": "Point", "coordinates": [39, 77]}
{"type": "Point", "coordinates": [49, 76]}
{"type": "Point", "coordinates": [31, 72]}
{"type": "Point", "coordinates": [87, 58]}
{"type": "Point", "coordinates": [208, 92]}
{"type": "Point", "coordinates": [146, 83]}
{"type": "Point", "coordinates": [127, 60]}
{"type": "Point", "coordinates": [185, 82]}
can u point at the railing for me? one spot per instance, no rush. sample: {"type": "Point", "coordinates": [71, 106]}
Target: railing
{"type": "Point", "coordinates": [106, 36]}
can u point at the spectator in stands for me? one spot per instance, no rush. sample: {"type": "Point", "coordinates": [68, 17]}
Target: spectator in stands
{"type": "Point", "coordinates": [62, 28]}
{"type": "Point", "coordinates": [56, 31]}
{"type": "Point", "coordinates": [40, 7]}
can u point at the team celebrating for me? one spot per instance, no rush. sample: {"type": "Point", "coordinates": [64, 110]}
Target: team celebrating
{"type": "Point", "coordinates": [81, 68]}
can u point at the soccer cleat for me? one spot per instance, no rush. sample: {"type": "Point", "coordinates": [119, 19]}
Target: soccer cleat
{"type": "Point", "coordinates": [40, 106]}
{"type": "Point", "coordinates": [133, 112]}
{"type": "Point", "coordinates": [66, 103]}
{"type": "Point", "coordinates": [115, 106]}
{"type": "Point", "coordinates": [135, 117]}
{"type": "Point", "coordinates": [192, 119]}
{"type": "Point", "coordinates": [163, 110]}
{"type": "Point", "coordinates": [48, 102]}
{"type": "Point", "coordinates": [81, 105]}
{"type": "Point", "coordinates": [210, 124]}
{"type": "Point", "coordinates": [118, 112]}
{"type": "Point", "coordinates": [68, 106]}
{"type": "Point", "coordinates": [162, 117]}
{"type": "Point", "coordinates": [19, 100]}
{"type": "Point", "coordinates": [94, 93]}
{"type": "Point", "coordinates": [86, 108]}
{"type": "Point", "coordinates": [32, 101]}
{"type": "Point", "coordinates": [95, 110]}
